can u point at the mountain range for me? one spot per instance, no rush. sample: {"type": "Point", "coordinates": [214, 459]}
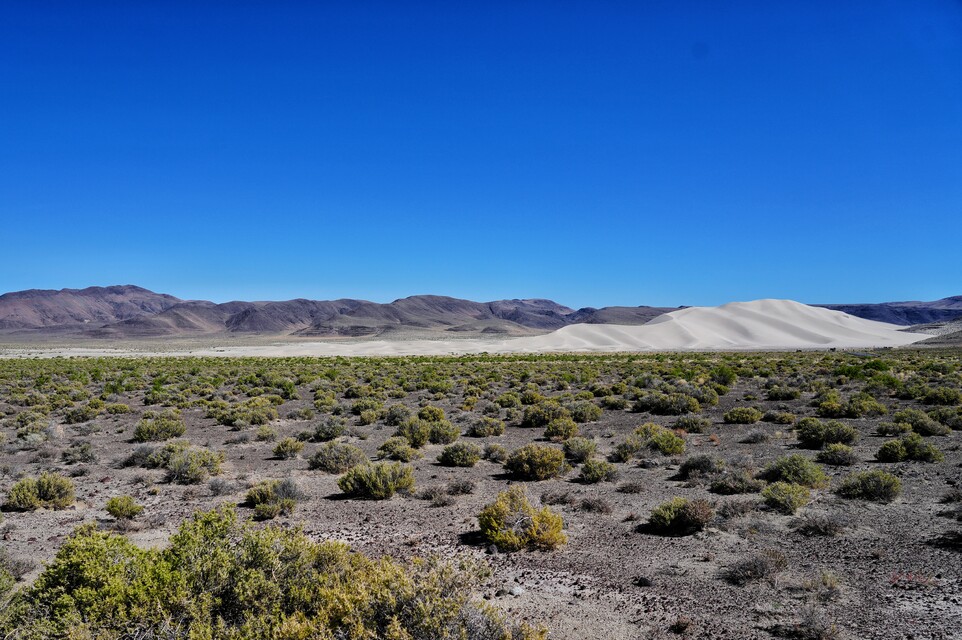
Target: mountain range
{"type": "Point", "coordinates": [131, 312]}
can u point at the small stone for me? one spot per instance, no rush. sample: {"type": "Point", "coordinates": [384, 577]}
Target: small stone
{"type": "Point", "coordinates": [517, 590]}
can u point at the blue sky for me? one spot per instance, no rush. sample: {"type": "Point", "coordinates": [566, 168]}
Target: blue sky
{"type": "Point", "coordinates": [594, 153]}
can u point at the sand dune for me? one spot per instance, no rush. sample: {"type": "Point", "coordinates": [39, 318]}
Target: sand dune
{"type": "Point", "coordinates": [762, 324]}
{"type": "Point", "coordinates": [758, 325]}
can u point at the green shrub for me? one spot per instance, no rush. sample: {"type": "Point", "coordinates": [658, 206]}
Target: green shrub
{"type": "Point", "coordinates": [251, 412]}
{"type": "Point", "coordinates": [47, 491]}
{"type": "Point", "coordinates": [332, 428]}
{"type": "Point", "coordinates": [190, 465]}
{"type": "Point", "coordinates": [79, 452]}
{"type": "Point", "coordinates": [920, 422]}
{"type": "Point", "coordinates": [796, 469]}
{"type": "Point", "coordinates": [779, 417]}
{"type": "Point", "coordinates": [288, 448]}
{"type": "Point", "coordinates": [508, 400]}
{"type": "Point", "coordinates": [593, 471]}
{"type": "Point", "coordinates": [780, 394]}
{"type": "Point", "coordinates": [220, 578]}
{"type": "Point", "coordinates": [945, 396]}
{"type": "Point", "coordinates": [396, 415]}
{"type": "Point", "coordinates": [83, 413]}
{"type": "Point", "coordinates": [649, 436]}
{"type": "Point", "coordinates": [416, 431]}
{"type": "Point", "coordinates": [561, 429]}
{"type": "Point", "coordinates": [700, 465]}
{"type": "Point", "coordinates": [614, 403]}
{"type": "Point", "coordinates": [397, 448]}
{"type": "Point", "coordinates": [512, 523]}
{"type": "Point", "coordinates": [909, 447]}
{"type": "Point", "coordinates": [584, 411]}
{"type": "Point", "coordinates": [460, 454]}
{"type": "Point", "coordinates": [271, 498]}
{"type": "Point", "coordinates": [377, 481]}
{"type": "Point", "coordinates": [538, 416]}
{"type": "Point", "coordinates": [368, 416]}
{"type": "Point", "coordinates": [359, 407]}
{"type": "Point", "coordinates": [893, 428]}
{"type": "Point", "coordinates": [875, 486]}
{"type": "Point", "coordinates": [23, 496]}
{"type": "Point", "coordinates": [117, 408]}
{"type": "Point", "coordinates": [693, 424]}
{"type": "Point", "coordinates": [742, 415]}
{"type": "Point", "coordinates": [431, 414]}
{"type": "Point", "coordinates": [680, 516]}
{"type": "Point", "coordinates": [155, 427]}
{"type": "Point", "coordinates": [837, 455]}
{"type": "Point", "coordinates": [667, 442]}
{"type": "Point", "coordinates": [579, 449]}
{"type": "Point", "coordinates": [443, 432]}
{"type": "Point", "coordinates": [266, 433]}
{"type": "Point", "coordinates": [485, 427]}
{"type": "Point", "coordinates": [336, 457]}
{"type": "Point", "coordinates": [892, 451]}
{"type": "Point", "coordinates": [812, 433]}
{"type": "Point", "coordinates": [536, 462]}
{"type": "Point", "coordinates": [495, 453]}
{"type": "Point", "coordinates": [786, 497]}
{"type": "Point", "coordinates": [733, 483]}
{"type": "Point", "coordinates": [666, 404]}
{"type": "Point", "coordinates": [123, 507]}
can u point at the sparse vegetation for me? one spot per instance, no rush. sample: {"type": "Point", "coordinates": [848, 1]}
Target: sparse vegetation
{"type": "Point", "coordinates": [341, 411]}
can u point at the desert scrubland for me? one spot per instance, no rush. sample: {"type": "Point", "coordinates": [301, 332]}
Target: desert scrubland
{"type": "Point", "coordinates": [710, 495]}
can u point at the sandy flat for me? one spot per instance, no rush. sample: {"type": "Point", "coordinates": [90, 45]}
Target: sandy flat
{"type": "Point", "coordinates": [756, 325]}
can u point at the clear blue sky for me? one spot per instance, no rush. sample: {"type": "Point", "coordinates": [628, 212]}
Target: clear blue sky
{"type": "Point", "coordinates": [595, 153]}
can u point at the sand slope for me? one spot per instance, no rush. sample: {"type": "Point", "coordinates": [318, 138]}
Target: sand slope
{"type": "Point", "coordinates": [759, 325]}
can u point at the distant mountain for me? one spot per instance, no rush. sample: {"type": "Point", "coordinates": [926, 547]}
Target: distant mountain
{"type": "Point", "coordinates": [42, 308]}
{"type": "Point", "coordinates": [129, 312]}
{"type": "Point", "coordinates": [905, 313]}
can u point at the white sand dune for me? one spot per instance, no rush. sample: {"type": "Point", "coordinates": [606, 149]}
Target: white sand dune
{"type": "Point", "coordinates": [761, 324]}
{"type": "Point", "coordinates": [757, 325]}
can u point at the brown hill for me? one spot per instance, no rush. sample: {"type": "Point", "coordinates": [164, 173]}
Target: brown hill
{"type": "Point", "coordinates": [905, 313]}
{"type": "Point", "coordinates": [67, 308]}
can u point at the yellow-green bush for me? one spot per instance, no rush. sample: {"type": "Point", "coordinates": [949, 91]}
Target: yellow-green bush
{"type": "Point", "coordinates": [377, 481]}
{"type": "Point", "coordinates": [680, 516]}
{"type": "Point", "coordinates": [123, 507]}
{"type": "Point", "coordinates": [337, 457]}
{"type": "Point", "coordinates": [47, 491]}
{"type": "Point", "coordinates": [288, 448]}
{"type": "Point", "coordinates": [155, 427]}
{"type": "Point", "coordinates": [536, 462]}
{"type": "Point", "coordinates": [219, 578]}
{"type": "Point", "coordinates": [512, 523]}
{"type": "Point", "coordinates": [786, 497]}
